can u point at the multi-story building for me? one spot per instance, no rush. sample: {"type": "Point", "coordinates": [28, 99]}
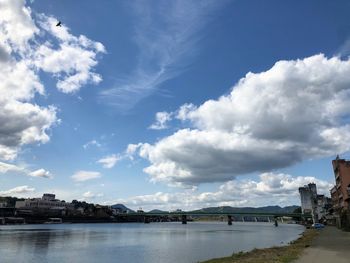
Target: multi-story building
{"type": "Point", "coordinates": [324, 204]}
{"type": "Point", "coordinates": [308, 197]}
{"type": "Point", "coordinates": [314, 204]}
{"type": "Point", "coordinates": [48, 201]}
{"type": "Point", "coordinates": [340, 193]}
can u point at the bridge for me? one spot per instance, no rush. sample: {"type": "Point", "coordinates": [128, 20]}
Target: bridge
{"type": "Point", "coordinates": [148, 215]}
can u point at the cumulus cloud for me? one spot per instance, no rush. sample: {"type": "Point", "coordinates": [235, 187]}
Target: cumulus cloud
{"type": "Point", "coordinates": [279, 189]}
{"type": "Point", "coordinates": [109, 161]}
{"type": "Point", "coordinates": [73, 61]}
{"type": "Point", "coordinates": [162, 118]}
{"type": "Point", "coordinates": [29, 45]}
{"type": "Point", "coordinates": [81, 176]}
{"type": "Point", "coordinates": [18, 191]}
{"type": "Point", "coordinates": [294, 111]}
{"type": "Point", "coordinates": [16, 25]}
{"type": "Point", "coordinates": [40, 173]}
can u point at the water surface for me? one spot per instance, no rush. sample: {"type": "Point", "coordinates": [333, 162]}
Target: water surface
{"type": "Point", "coordinates": [136, 243]}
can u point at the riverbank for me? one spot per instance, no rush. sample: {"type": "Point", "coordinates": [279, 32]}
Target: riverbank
{"type": "Point", "coordinates": [332, 245]}
{"type": "Point", "coordinates": [283, 254]}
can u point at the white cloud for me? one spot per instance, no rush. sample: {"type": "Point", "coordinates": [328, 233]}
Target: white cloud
{"type": "Point", "coordinates": [132, 148]}
{"type": "Point", "coordinates": [12, 168]}
{"type": "Point", "coordinates": [294, 111]}
{"type": "Point", "coordinates": [28, 46]}
{"type": "Point", "coordinates": [73, 61]}
{"type": "Point", "coordinates": [91, 195]}
{"type": "Point", "coordinates": [161, 48]}
{"type": "Point", "coordinates": [24, 123]}
{"type": "Point", "coordinates": [81, 176]}
{"type": "Point", "coordinates": [162, 118]}
{"type": "Point", "coordinates": [6, 167]}
{"type": "Point", "coordinates": [16, 25]}
{"type": "Point", "coordinates": [40, 173]}
{"type": "Point", "coordinates": [344, 49]}
{"type": "Point", "coordinates": [92, 143]}
{"type": "Point", "coordinates": [109, 161]}
{"type": "Point", "coordinates": [273, 189]}
{"type": "Point", "coordinates": [184, 111]}
{"type": "Point", "coordinates": [18, 191]}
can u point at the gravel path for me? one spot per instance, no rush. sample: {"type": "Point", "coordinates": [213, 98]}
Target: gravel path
{"type": "Point", "coordinates": [331, 246]}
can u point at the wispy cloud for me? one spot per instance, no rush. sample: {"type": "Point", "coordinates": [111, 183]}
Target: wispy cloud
{"type": "Point", "coordinates": [18, 191]}
{"type": "Point", "coordinates": [90, 195]}
{"type": "Point", "coordinates": [40, 173]}
{"type": "Point", "coordinates": [6, 167]}
{"type": "Point", "coordinates": [92, 143]}
{"type": "Point", "coordinates": [344, 49]}
{"type": "Point", "coordinates": [81, 176]}
{"type": "Point", "coordinates": [109, 161]}
{"type": "Point", "coordinates": [12, 168]}
{"type": "Point", "coordinates": [166, 35]}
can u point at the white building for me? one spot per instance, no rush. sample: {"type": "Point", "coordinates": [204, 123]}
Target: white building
{"type": "Point", "coordinates": [48, 201]}
{"type": "Point", "coordinates": [308, 194]}
{"type": "Point", "coordinates": [312, 203]}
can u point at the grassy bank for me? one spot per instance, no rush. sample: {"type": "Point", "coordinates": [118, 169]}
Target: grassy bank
{"type": "Point", "coordinates": [274, 255]}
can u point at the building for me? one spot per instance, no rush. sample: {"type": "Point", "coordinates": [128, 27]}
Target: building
{"type": "Point", "coordinates": [308, 197]}
{"type": "Point", "coordinates": [314, 204]}
{"type": "Point", "coordinates": [324, 204]}
{"type": "Point", "coordinates": [340, 193]}
{"type": "Point", "coordinates": [3, 204]}
{"type": "Point", "coordinates": [49, 197]}
{"type": "Point", "coordinates": [47, 202]}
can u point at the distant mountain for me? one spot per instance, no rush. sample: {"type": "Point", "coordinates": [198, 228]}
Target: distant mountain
{"type": "Point", "coordinates": [224, 209]}
{"type": "Point", "coordinates": [122, 208]}
{"type": "Point", "coordinates": [264, 209]}
{"type": "Point", "coordinates": [157, 211]}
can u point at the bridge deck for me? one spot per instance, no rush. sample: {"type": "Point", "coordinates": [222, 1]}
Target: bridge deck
{"type": "Point", "coordinates": [217, 213]}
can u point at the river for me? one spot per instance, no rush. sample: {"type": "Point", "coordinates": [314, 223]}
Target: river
{"type": "Point", "coordinates": [136, 243]}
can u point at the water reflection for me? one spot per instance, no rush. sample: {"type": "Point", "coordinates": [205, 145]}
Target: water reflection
{"type": "Point", "coordinates": [156, 242]}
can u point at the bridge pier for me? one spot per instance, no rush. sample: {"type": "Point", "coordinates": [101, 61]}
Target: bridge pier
{"type": "Point", "coordinates": [184, 219]}
{"type": "Point", "coordinates": [229, 220]}
{"type": "Point", "coordinates": [146, 219]}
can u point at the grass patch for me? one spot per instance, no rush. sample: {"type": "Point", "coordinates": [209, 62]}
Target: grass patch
{"type": "Point", "coordinates": [283, 254]}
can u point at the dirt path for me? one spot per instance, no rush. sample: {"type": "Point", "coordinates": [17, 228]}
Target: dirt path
{"type": "Point", "coordinates": [331, 246]}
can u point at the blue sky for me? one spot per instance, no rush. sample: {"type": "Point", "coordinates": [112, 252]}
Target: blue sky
{"type": "Point", "coordinates": [151, 103]}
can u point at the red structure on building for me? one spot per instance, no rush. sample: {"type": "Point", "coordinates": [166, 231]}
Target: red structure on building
{"type": "Point", "coordinates": [340, 193]}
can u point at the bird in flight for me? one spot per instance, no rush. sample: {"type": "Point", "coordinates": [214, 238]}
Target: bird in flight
{"type": "Point", "coordinates": [59, 23]}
